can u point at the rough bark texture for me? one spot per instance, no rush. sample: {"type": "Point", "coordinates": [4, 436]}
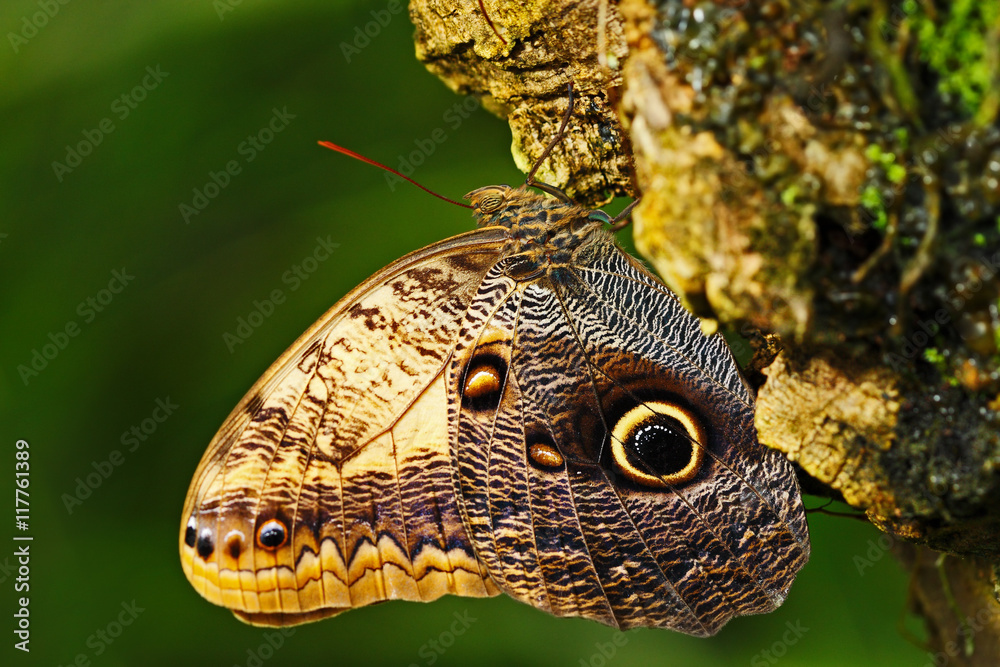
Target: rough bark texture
{"type": "Point", "coordinates": [521, 72]}
{"type": "Point", "coordinates": [829, 172]}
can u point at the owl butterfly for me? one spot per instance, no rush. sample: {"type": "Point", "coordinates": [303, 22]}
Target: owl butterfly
{"type": "Point", "coordinates": [521, 408]}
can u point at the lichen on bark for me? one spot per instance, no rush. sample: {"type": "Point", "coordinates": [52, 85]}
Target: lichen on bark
{"type": "Point", "coordinates": [521, 72]}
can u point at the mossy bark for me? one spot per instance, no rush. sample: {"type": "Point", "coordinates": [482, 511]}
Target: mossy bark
{"type": "Point", "coordinates": [827, 172]}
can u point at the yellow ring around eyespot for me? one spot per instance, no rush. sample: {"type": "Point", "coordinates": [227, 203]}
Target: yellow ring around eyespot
{"type": "Point", "coordinates": [626, 426]}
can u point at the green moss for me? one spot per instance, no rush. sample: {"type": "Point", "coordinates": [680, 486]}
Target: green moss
{"type": "Point", "coordinates": [956, 46]}
{"type": "Point", "coordinates": [902, 137]}
{"type": "Point", "coordinates": [896, 173]}
{"type": "Point", "coordinates": [872, 200]}
{"type": "Point", "coordinates": [789, 194]}
{"type": "Point", "coordinates": [937, 359]}
{"type": "Point", "coordinates": [933, 355]}
{"type": "Point", "coordinates": [996, 331]}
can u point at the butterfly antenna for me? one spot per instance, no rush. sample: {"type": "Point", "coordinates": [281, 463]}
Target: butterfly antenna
{"type": "Point", "coordinates": [621, 220]}
{"type": "Point", "coordinates": [492, 27]}
{"type": "Point", "coordinates": [555, 140]}
{"type": "Point", "coordinates": [368, 160]}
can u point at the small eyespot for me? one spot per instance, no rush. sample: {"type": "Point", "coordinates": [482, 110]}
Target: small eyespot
{"type": "Point", "coordinates": [480, 381]}
{"type": "Point", "coordinates": [234, 543]}
{"type": "Point", "coordinates": [545, 455]}
{"type": "Point", "coordinates": [206, 544]}
{"type": "Point", "coordinates": [271, 534]}
{"type": "Point", "coordinates": [658, 444]}
{"type": "Point", "coordinates": [190, 533]}
{"type": "Point", "coordinates": [483, 387]}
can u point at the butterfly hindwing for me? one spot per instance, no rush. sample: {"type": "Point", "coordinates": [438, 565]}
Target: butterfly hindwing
{"type": "Point", "coordinates": [582, 345]}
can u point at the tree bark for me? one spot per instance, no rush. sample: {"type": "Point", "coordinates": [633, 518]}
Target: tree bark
{"type": "Point", "coordinates": [827, 172]}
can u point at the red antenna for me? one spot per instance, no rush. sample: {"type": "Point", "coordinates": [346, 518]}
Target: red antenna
{"type": "Point", "coordinates": [358, 156]}
{"type": "Point", "coordinates": [492, 27]}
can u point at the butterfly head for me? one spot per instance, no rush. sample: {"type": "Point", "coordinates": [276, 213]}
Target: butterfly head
{"type": "Point", "coordinates": [489, 203]}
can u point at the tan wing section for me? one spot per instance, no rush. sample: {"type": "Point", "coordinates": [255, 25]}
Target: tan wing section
{"type": "Point", "coordinates": [329, 486]}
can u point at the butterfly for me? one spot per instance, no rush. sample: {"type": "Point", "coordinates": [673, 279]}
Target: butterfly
{"type": "Point", "coordinates": [523, 408]}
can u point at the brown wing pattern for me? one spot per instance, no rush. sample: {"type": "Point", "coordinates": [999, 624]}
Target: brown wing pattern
{"type": "Point", "coordinates": [576, 348]}
{"type": "Point", "coordinates": [329, 486]}
{"type": "Point", "coordinates": [521, 408]}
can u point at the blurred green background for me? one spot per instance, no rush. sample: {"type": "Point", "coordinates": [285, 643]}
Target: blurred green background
{"type": "Point", "coordinates": [63, 233]}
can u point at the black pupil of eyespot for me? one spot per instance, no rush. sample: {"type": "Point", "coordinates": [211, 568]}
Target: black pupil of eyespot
{"type": "Point", "coordinates": [662, 446]}
{"type": "Point", "coordinates": [272, 536]}
{"type": "Point", "coordinates": [190, 535]}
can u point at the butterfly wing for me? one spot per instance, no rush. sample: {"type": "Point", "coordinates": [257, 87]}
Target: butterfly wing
{"type": "Point", "coordinates": [330, 485]}
{"type": "Point", "coordinates": [549, 374]}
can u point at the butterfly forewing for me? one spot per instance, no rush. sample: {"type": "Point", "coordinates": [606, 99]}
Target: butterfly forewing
{"type": "Point", "coordinates": [330, 486]}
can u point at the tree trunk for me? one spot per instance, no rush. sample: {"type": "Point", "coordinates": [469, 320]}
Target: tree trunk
{"type": "Point", "coordinates": [827, 172]}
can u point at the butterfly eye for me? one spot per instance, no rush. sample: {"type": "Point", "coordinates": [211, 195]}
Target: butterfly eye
{"type": "Point", "coordinates": [490, 203]}
{"type": "Point", "coordinates": [271, 534]}
{"type": "Point", "coordinates": [658, 444]}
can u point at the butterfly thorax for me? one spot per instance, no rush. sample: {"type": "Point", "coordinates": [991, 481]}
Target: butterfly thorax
{"type": "Point", "coordinates": [543, 231]}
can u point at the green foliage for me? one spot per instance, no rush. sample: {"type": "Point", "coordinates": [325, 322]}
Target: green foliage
{"type": "Point", "coordinates": [957, 46]}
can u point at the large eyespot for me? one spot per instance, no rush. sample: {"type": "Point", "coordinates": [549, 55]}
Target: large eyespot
{"type": "Point", "coordinates": [483, 384]}
{"type": "Point", "coordinates": [658, 444]}
{"type": "Point", "coordinates": [271, 534]}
